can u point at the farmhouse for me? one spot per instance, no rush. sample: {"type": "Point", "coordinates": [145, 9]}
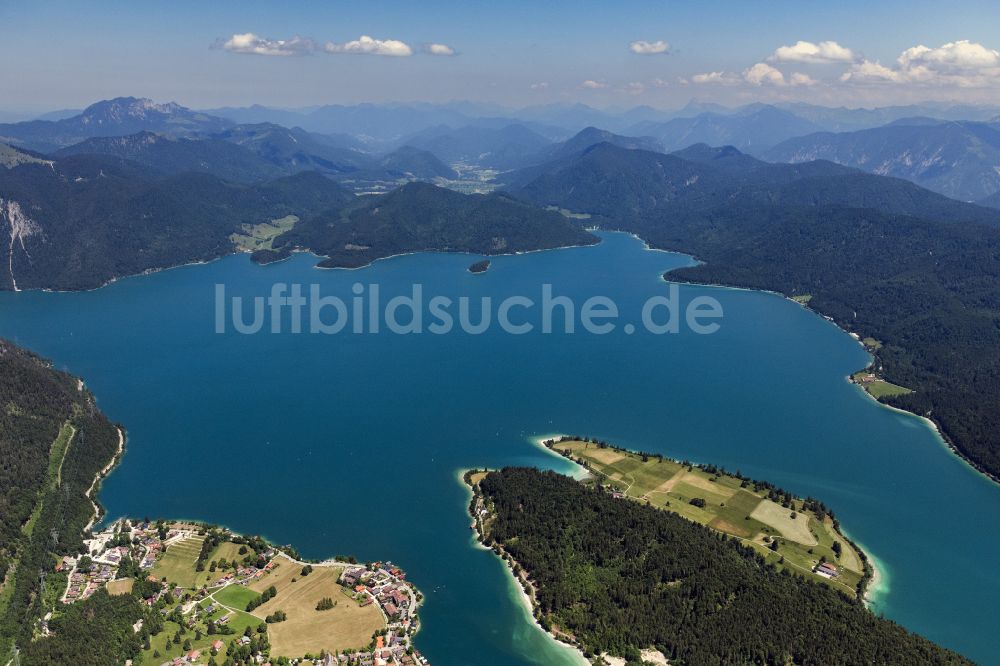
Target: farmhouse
{"type": "Point", "coordinates": [827, 570]}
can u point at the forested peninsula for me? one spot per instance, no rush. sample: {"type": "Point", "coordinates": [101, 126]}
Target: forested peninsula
{"type": "Point", "coordinates": [615, 577]}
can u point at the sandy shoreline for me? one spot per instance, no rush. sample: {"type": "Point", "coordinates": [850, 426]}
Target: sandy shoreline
{"type": "Point", "coordinates": [579, 473]}
{"type": "Point", "coordinates": [878, 585]}
{"type": "Point", "coordinates": [102, 475]}
{"type": "Point", "coordinates": [518, 592]}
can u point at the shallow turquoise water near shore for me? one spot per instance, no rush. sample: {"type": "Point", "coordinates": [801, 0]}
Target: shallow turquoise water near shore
{"type": "Point", "coordinates": [350, 443]}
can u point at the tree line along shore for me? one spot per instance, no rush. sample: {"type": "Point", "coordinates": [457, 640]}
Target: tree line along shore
{"type": "Point", "coordinates": [651, 560]}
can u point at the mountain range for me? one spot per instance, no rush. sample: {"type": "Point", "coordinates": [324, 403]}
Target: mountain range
{"type": "Point", "coordinates": [116, 117]}
{"type": "Point", "coordinates": [253, 153]}
{"type": "Point", "coordinates": [753, 128]}
{"type": "Point", "coordinates": [960, 159]}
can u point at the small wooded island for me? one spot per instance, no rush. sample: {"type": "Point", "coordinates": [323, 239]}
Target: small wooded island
{"type": "Point", "coordinates": [646, 560]}
{"type": "Point", "coordinates": [479, 267]}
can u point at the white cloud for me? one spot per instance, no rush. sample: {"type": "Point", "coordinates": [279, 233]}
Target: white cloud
{"type": "Point", "coordinates": [365, 45]}
{"type": "Point", "coordinates": [763, 74]}
{"type": "Point", "coordinates": [594, 85]}
{"type": "Point", "coordinates": [808, 52]}
{"type": "Point", "coordinates": [649, 48]}
{"type": "Point", "coordinates": [541, 85]}
{"type": "Point", "coordinates": [635, 88]}
{"type": "Point", "coordinates": [252, 44]}
{"type": "Point", "coordinates": [719, 78]}
{"type": "Point", "coordinates": [961, 63]}
{"type": "Point", "coordinates": [866, 70]}
{"type": "Point", "coordinates": [800, 79]}
{"type": "Point", "coordinates": [439, 49]}
{"type": "Point", "coordinates": [959, 56]}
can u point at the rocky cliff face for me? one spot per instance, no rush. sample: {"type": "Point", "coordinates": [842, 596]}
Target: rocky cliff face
{"type": "Point", "coordinates": [19, 227]}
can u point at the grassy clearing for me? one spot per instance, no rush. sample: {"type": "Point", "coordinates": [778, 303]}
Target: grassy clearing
{"type": "Point", "coordinates": [731, 506]}
{"type": "Point", "coordinates": [878, 388]}
{"type": "Point", "coordinates": [120, 586]}
{"type": "Point", "coordinates": [307, 630]}
{"type": "Point", "coordinates": [346, 626]}
{"type": "Point", "coordinates": [261, 236]}
{"type": "Point", "coordinates": [872, 344]}
{"type": "Point", "coordinates": [565, 212]}
{"type": "Point", "coordinates": [476, 477]}
{"type": "Point", "coordinates": [235, 596]}
{"type": "Point", "coordinates": [53, 475]}
{"type": "Point", "coordinates": [224, 551]}
{"type": "Point", "coordinates": [802, 299]}
{"type": "Point", "coordinates": [178, 564]}
{"type": "Point", "coordinates": [790, 524]}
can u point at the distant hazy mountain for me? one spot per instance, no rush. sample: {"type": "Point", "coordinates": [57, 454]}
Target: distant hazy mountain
{"type": "Point", "coordinates": [505, 147]}
{"type": "Point", "coordinates": [252, 153]}
{"type": "Point", "coordinates": [728, 158]}
{"type": "Point", "coordinates": [117, 117]}
{"type": "Point", "coordinates": [171, 156]}
{"type": "Point", "coordinates": [381, 122]}
{"type": "Point", "coordinates": [410, 162]}
{"type": "Point", "coordinates": [298, 150]}
{"type": "Point", "coordinates": [575, 117]}
{"type": "Point", "coordinates": [992, 201]}
{"type": "Point", "coordinates": [843, 119]}
{"type": "Point", "coordinates": [958, 159]}
{"type": "Point", "coordinates": [256, 114]}
{"type": "Point", "coordinates": [420, 216]}
{"type": "Point", "coordinates": [754, 128]}
{"type": "Point", "coordinates": [58, 114]}
{"type": "Point", "coordinates": [613, 182]}
{"type": "Point", "coordinates": [591, 136]}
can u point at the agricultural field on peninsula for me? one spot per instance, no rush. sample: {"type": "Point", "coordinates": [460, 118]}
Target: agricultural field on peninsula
{"type": "Point", "coordinates": [798, 534]}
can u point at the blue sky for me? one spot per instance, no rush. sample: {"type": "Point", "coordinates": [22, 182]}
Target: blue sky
{"type": "Point", "coordinates": [67, 54]}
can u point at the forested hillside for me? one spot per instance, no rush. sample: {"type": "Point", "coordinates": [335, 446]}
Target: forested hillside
{"type": "Point", "coordinates": [87, 219]}
{"type": "Point", "coordinates": [420, 216]}
{"type": "Point", "coordinates": [619, 576]}
{"type": "Point", "coordinates": [172, 156]}
{"type": "Point", "coordinates": [53, 442]}
{"type": "Point", "coordinates": [912, 269]}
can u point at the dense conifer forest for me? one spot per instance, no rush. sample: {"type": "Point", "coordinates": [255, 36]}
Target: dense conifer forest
{"type": "Point", "coordinates": [620, 576]}
{"type": "Point", "coordinates": [44, 477]}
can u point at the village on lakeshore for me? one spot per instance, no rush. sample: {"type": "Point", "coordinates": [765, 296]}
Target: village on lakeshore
{"type": "Point", "coordinates": [224, 598]}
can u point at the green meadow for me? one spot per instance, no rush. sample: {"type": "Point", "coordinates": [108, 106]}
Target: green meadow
{"type": "Point", "coordinates": [787, 533]}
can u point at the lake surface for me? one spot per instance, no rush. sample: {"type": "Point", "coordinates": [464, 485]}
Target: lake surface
{"type": "Point", "coordinates": [351, 444]}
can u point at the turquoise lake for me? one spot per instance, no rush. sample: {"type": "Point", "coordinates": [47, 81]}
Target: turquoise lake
{"type": "Point", "coordinates": [352, 444]}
